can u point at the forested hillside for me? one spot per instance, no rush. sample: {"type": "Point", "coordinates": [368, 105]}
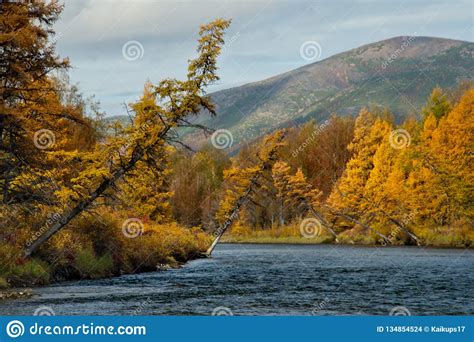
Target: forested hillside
{"type": "Point", "coordinates": [398, 73]}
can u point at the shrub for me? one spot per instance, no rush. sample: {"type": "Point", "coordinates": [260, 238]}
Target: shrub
{"type": "Point", "coordinates": [3, 283]}
{"type": "Point", "coordinates": [31, 272]}
{"type": "Point", "coordinates": [91, 266]}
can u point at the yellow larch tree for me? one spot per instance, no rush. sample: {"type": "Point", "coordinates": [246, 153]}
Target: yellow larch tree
{"type": "Point", "coordinates": [348, 191]}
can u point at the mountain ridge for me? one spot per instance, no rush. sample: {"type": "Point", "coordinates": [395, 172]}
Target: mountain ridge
{"type": "Point", "coordinates": [398, 73]}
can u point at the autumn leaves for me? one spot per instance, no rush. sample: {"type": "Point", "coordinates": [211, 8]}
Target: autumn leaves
{"type": "Point", "coordinates": [409, 184]}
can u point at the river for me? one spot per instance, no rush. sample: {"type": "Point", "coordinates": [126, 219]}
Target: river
{"type": "Point", "coordinates": [277, 280]}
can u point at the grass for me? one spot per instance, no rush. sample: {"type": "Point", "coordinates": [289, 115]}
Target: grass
{"type": "Point", "coordinates": [457, 236]}
{"type": "Point", "coordinates": [289, 234]}
{"type": "Point", "coordinates": [269, 239]}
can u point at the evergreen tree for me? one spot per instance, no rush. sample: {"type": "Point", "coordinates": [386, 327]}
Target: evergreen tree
{"type": "Point", "coordinates": [437, 105]}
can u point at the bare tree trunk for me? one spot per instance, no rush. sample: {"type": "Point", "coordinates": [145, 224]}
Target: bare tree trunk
{"type": "Point", "coordinates": [395, 222]}
{"type": "Point", "coordinates": [322, 220]}
{"type": "Point", "coordinates": [351, 219]}
{"type": "Point", "coordinates": [402, 227]}
{"type": "Point", "coordinates": [235, 214]}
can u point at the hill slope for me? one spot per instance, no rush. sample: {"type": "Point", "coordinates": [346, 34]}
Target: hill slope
{"type": "Point", "coordinates": [398, 73]}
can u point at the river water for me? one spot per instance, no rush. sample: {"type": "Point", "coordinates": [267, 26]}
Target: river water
{"type": "Point", "coordinates": [277, 280]}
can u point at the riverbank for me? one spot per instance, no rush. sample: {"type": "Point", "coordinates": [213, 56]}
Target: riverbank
{"type": "Point", "coordinates": [23, 293]}
{"type": "Point", "coordinates": [291, 240]}
{"type": "Point", "coordinates": [462, 237]}
{"type": "Point", "coordinates": [15, 294]}
{"type": "Point", "coordinates": [100, 249]}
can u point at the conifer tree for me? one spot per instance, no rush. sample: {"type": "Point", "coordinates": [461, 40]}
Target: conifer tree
{"type": "Point", "coordinates": [30, 102]}
{"type": "Point", "coordinates": [437, 105]}
{"type": "Point", "coordinates": [348, 191]}
{"type": "Point", "coordinates": [158, 114]}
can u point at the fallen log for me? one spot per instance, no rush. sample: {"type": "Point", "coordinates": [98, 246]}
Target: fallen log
{"type": "Point", "coordinates": [323, 221]}
{"type": "Point", "coordinates": [354, 220]}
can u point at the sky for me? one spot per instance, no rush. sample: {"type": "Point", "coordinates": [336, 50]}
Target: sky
{"type": "Point", "coordinates": [116, 46]}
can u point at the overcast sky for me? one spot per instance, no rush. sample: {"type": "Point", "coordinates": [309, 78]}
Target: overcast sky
{"type": "Point", "coordinates": [115, 46]}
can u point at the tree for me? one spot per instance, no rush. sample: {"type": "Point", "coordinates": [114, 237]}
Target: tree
{"type": "Point", "coordinates": [158, 113]}
{"type": "Point", "coordinates": [437, 105]}
{"type": "Point", "coordinates": [29, 99]}
{"type": "Point", "coordinates": [347, 200]}
{"type": "Point", "coordinates": [453, 143]}
{"type": "Point", "coordinates": [348, 191]}
{"type": "Point", "coordinates": [196, 180]}
{"type": "Point", "coordinates": [444, 176]}
{"type": "Point", "coordinates": [320, 150]}
{"type": "Point", "coordinates": [244, 183]}
{"type": "Point", "coordinates": [280, 173]}
{"type": "Point", "coordinates": [301, 192]}
{"type": "Point", "coordinates": [384, 190]}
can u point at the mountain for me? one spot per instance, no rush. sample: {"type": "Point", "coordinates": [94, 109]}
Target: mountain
{"type": "Point", "coordinates": [398, 73]}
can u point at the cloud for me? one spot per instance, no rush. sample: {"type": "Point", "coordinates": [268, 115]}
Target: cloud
{"type": "Point", "coordinates": [264, 38]}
